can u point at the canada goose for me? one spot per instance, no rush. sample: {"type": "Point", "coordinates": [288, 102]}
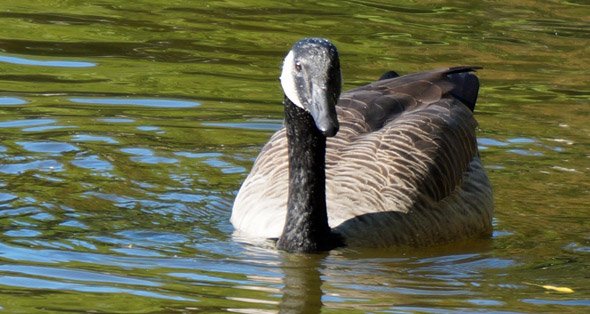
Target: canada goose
{"type": "Point", "coordinates": [391, 163]}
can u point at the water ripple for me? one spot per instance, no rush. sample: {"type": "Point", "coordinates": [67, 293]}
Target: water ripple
{"type": "Point", "coordinates": [93, 162]}
{"type": "Point", "coordinates": [75, 275]}
{"type": "Point", "coordinates": [147, 156]}
{"type": "Point", "coordinates": [49, 165]}
{"type": "Point", "coordinates": [262, 126]}
{"type": "Point", "coordinates": [94, 138]}
{"type": "Point", "coordinates": [7, 197]}
{"type": "Point", "coordinates": [48, 147]}
{"type": "Point", "coordinates": [46, 63]}
{"type": "Point", "coordinates": [52, 284]}
{"type": "Point", "coordinates": [12, 101]}
{"type": "Point", "coordinates": [143, 102]}
{"type": "Point", "coordinates": [46, 128]}
{"type": "Point", "coordinates": [116, 120]}
{"type": "Point", "coordinates": [26, 123]}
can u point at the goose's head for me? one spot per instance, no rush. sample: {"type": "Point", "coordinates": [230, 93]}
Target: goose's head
{"type": "Point", "coordinates": [311, 80]}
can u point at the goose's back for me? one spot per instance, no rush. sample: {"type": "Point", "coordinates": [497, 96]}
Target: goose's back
{"type": "Point", "coordinates": [403, 169]}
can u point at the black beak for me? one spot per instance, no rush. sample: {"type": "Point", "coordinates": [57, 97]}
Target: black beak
{"type": "Point", "coordinates": [323, 113]}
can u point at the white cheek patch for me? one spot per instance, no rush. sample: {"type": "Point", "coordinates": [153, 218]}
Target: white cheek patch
{"type": "Point", "coordinates": [288, 80]}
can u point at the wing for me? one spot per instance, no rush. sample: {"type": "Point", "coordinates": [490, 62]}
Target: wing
{"type": "Point", "coordinates": [401, 141]}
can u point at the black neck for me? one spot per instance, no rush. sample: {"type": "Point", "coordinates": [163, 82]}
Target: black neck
{"type": "Point", "coordinates": [306, 226]}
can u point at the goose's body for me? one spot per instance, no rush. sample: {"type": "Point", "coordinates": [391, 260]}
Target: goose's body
{"type": "Point", "coordinates": [403, 169]}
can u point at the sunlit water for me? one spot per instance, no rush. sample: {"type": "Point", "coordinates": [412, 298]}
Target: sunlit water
{"type": "Point", "coordinates": [127, 128]}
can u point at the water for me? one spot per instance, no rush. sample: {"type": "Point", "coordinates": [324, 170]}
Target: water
{"type": "Point", "coordinates": [127, 128]}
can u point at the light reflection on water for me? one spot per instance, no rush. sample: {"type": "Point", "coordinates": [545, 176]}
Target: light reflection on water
{"type": "Point", "coordinates": [7, 101]}
{"type": "Point", "coordinates": [45, 63]}
{"type": "Point", "coordinates": [25, 123]}
{"type": "Point", "coordinates": [153, 103]}
{"type": "Point", "coordinates": [263, 126]}
{"type": "Point", "coordinates": [124, 141]}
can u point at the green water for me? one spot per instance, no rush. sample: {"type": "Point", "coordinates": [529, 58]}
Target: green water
{"type": "Point", "coordinates": [127, 127]}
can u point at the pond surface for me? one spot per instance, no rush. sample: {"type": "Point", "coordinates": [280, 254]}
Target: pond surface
{"type": "Point", "coordinates": [127, 127]}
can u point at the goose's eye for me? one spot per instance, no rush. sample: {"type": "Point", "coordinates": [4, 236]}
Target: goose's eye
{"type": "Point", "coordinates": [298, 66]}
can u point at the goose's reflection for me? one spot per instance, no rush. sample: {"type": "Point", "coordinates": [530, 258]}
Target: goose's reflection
{"type": "Point", "coordinates": [302, 283]}
{"type": "Point", "coordinates": [399, 277]}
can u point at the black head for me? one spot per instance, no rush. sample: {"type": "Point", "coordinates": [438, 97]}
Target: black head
{"type": "Point", "coordinates": [311, 79]}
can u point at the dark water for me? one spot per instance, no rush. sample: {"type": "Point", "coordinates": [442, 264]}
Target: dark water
{"type": "Point", "coordinates": [128, 126]}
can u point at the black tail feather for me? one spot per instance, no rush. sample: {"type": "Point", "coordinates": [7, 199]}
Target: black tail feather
{"type": "Point", "coordinates": [388, 75]}
{"type": "Point", "coordinates": [466, 85]}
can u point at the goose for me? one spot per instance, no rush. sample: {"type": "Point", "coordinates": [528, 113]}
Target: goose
{"type": "Point", "coordinates": [392, 163]}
